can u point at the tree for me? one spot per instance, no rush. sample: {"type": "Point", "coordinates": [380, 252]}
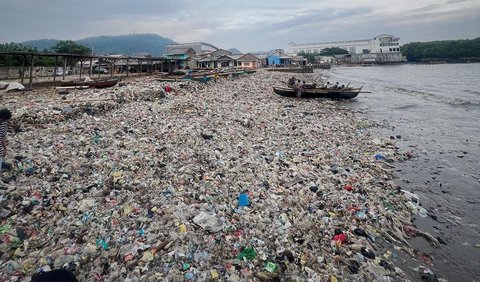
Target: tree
{"type": "Point", "coordinates": [325, 52]}
{"type": "Point", "coordinates": [9, 60]}
{"type": "Point", "coordinates": [71, 47]}
{"type": "Point", "coordinates": [333, 51]}
{"type": "Point", "coordinates": [309, 56]}
{"type": "Point", "coordinates": [445, 50]}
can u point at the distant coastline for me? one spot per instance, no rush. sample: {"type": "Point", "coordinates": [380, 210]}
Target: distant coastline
{"type": "Point", "coordinates": [449, 61]}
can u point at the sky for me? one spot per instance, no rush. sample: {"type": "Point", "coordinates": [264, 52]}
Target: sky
{"type": "Point", "coordinates": [243, 24]}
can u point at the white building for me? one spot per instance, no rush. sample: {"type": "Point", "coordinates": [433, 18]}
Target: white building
{"type": "Point", "coordinates": [384, 43]}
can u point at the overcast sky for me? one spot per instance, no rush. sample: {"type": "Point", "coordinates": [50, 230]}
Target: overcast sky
{"type": "Point", "coordinates": [245, 24]}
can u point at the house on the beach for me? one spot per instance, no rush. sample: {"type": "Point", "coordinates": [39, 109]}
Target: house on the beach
{"type": "Point", "coordinates": [249, 61]}
{"type": "Point", "coordinates": [278, 58]}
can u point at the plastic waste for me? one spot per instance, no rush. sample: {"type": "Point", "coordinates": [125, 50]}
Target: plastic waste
{"type": "Point", "coordinates": [243, 200]}
{"type": "Point", "coordinates": [140, 203]}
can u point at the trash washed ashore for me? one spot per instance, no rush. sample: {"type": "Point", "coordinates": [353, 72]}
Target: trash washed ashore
{"type": "Point", "coordinates": [224, 181]}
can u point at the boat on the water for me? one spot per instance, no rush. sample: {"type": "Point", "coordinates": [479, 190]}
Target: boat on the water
{"type": "Point", "coordinates": [344, 93]}
{"type": "Point", "coordinates": [96, 83]}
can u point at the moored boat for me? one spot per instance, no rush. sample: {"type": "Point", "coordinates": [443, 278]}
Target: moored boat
{"type": "Point", "coordinates": [344, 93]}
{"type": "Point", "coordinates": [97, 83]}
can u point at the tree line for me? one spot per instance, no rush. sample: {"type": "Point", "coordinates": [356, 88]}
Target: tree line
{"type": "Point", "coordinates": [445, 49]}
{"type": "Point", "coordinates": [63, 46]}
{"type": "Point", "coordinates": [325, 52]}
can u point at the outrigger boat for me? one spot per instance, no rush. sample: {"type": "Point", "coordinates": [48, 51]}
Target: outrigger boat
{"type": "Point", "coordinates": [344, 93]}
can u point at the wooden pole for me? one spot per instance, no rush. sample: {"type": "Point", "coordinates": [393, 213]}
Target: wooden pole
{"type": "Point", "coordinates": [128, 68]}
{"type": "Point", "coordinates": [91, 67]}
{"type": "Point", "coordinates": [55, 69]}
{"type": "Point", "coordinates": [140, 67]}
{"type": "Point", "coordinates": [31, 73]}
{"type": "Point", "coordinates": [64, 67]}
{"type": "Point", "coordinates": [81, 68]}
{"type": "Point", "coordinates": [23, 68]}
{"type": "Point", "coordinates": [112, 65]}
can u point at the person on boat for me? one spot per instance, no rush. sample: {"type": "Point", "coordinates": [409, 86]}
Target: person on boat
{"type": "Point", "coordinates": [335, 86]}
{"type": "Point", "coordinates": [326, 84]}
{"type": "Point", "coordinates": [291, 82]}
{"type": "Point", "coordinates": [341, 86]}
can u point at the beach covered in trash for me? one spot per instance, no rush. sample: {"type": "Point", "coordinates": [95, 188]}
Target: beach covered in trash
{"type": "Point", "coordinates": [221, 181]}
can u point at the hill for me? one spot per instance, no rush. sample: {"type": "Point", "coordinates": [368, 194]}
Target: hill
{"type": "Point", "coordinates": [235, 51]}
{"type": "Point", "coordinates": [133, 44]}
{"type": "Point", "coordinates": [41, 44]}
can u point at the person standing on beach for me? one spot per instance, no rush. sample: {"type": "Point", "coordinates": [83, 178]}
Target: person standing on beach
{"type": "Point", "coordinates": [299, 88]}
{"type": "Point", "coordinates": [5, 116]}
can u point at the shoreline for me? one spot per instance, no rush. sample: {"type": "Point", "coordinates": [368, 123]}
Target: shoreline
{"type": "Point", "coordinates": [124, 182]}
{"type": "Point", "coordinates": [443, 170]}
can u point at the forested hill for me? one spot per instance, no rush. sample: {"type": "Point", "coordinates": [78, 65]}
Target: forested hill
{"type": "Point", "coordinates": [133, 44]}
{"type": "Point", "coordinates": [446, 50]}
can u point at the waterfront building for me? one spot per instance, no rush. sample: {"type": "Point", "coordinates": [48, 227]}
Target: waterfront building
{"type": "Point", "coordinates": [248, 61]}
{"type": "Point", "coordinates": [384, 43]}
{"type": "Point", "coordinates": [278, 57]}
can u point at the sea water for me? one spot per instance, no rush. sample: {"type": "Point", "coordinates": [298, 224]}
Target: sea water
{"type": "Point", "coordinates": [435, 112]}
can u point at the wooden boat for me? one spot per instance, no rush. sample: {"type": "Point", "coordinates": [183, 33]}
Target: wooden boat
{"type": "Point", "coordinates": [344, 93]}
{"type": "Point", "coordinates": [97, 83]}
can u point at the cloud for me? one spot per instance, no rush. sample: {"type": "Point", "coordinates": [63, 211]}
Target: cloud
{"type": "Point", "coordinates": [245, 24]}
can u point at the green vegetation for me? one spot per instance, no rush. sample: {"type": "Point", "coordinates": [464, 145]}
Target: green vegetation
{"type": "Point", "coordinates": [446, 49]}
{"type": "Point", "coordinates": [70, 47]}
{"type": "Point", "coordinates": [333, 51]}
{"type": "Point", "coordinates": [7, 60]}
{"type": "Point", "coordinates": [325, 52]}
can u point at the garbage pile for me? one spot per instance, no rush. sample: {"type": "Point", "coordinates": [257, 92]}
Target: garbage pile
{"type": "Point", "coordinates": [223, 182]}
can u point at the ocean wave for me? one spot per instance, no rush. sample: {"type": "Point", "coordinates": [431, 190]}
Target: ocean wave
{"type": "Point", "coordinates": [381, 85]}
{"type": "Point", "coordinates": [431, 96]}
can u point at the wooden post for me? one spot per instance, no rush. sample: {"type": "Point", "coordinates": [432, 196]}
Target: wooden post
{"type": "Point", "coordinates": [23, 67]}
{"type": "Point", "coordinates": [31, 73]}
{"type": "Point", "coordinates": [140, 67]}
{"type": "Point", "coordinates": [55, 69]}
{"type": "Point", "coordinates": [128, 68]}
{"type": "Point", "coordinates": [112, 65]}
{"type": "Point", "coordinates": [64, 67]}
{"type": "Point", "coordinates": [91, 67]}
{"type": "Point", "coordinates": [81, 68]}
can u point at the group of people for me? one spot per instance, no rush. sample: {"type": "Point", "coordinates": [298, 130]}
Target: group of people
{"type": "Point", "coordinates": [327, 85]}
{"type": "Point", "coordinates": [297, 84]}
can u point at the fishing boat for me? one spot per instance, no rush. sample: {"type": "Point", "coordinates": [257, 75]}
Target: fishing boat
{"type": "Point", "coordinates": [344, 93]}
{"type": "Point", "coordinates": [97, 83]}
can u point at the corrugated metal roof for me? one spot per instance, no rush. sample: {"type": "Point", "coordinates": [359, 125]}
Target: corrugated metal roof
{"type": "Point", "coordinates": [178, 51]}
{"type": "Point", "coordinates": [248, 58]}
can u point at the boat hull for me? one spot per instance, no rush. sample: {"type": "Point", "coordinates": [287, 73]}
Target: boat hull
{"type": "Point", "coordinates": [101, 83]}
{"type": "Point", "coordinates": [347, 93]}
